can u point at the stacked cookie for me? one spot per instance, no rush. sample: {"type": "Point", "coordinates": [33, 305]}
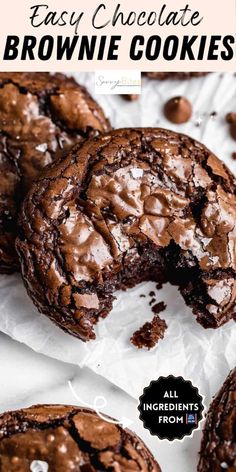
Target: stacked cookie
{"type": "Point", "coordinates": [41, 116]}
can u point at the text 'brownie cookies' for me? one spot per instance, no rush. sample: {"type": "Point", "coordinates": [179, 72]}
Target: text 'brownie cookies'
{"type": "Point", "coordinates": [218, 448]}
{"type": "Point", "coordinates": [124, 207]}
{"type": "Point", "coordinates": [68, 439]}
{"type": "Point", "coordinates": [40, 115]}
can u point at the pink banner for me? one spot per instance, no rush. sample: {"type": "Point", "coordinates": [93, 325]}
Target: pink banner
{"type": "Point", "coordinates": [154, 35]}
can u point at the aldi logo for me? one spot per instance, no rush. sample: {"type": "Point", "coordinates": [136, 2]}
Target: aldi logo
{"type": "Point", "coordinates": [191, 418]}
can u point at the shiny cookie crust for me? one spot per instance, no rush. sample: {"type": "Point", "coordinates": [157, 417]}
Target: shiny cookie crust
{"type": "Point", "coordinates": [128, 206]}
{"type": "Point", "coordinates": [218, 448]}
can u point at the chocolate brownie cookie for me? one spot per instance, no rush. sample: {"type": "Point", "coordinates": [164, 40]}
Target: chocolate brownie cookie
{"type": "Point", "coordinates": [69, 438]}
{"type": "Point", "coordinates": [218, 448]}
{"type": "Point", "coordinates": [174, 75]}
{"type": "Point", "coordinates": [128, 206]}
{"type": "Point", "coordinates": [40, 115]}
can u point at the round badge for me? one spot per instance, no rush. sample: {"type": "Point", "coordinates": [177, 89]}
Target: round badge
{"type": "Point", "coordinates": [171, 407]}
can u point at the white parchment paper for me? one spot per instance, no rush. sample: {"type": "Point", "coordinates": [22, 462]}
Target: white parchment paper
{"type": "Point", "coordinates": [204, 356]}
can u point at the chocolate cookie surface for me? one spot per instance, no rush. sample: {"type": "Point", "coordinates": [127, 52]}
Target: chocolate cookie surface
{"type": "Point", "coordinates": [218, 448]}
{"type": "Point", "coordinates": [128, 206]}
{"type": "Point", "coordinates": [40, 115]}
{"type": "Point", "coordinates": [69, 438]}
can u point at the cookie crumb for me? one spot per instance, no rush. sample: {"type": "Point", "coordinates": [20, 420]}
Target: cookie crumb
{"type": "Point", "coordinates": [234, 156]}
{"type": "Point", "coordinates": [149, 334]}
{"type": "Point", "coordinates": [213, 114]}
{"type": "Point", "coordinates": [153, 300]}
{"type": "Point", "coordinates": [159, 285]}
{"type": "Point", "coordinates": [158, 307]}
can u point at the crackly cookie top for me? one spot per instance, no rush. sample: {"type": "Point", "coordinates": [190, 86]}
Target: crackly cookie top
{"type": "Point", "coordinates": [218, 449]}
{"type": "Point", "coordinates": [40, 115]}
{"type": "Point", "coordinates": [115, 193]}
{"type": "Point", "coordinates": [68, 439]}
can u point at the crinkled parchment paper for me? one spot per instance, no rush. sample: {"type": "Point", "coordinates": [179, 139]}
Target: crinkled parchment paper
{"type": "Point", "coordinates": [204, 356]}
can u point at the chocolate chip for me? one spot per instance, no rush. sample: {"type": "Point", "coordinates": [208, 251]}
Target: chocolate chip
{"type": "Point", "coordinates": [178, 110]}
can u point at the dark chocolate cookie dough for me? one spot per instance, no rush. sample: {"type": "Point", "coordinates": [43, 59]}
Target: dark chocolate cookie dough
{"type": "Point", "coordinates": [69, 438]}
{"type": "Point", "coordinates": [128, 206]}
{"type": "Point", "coordinates": [218, 448]}
{"type": "Point", "coordinates": [40, 115]}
